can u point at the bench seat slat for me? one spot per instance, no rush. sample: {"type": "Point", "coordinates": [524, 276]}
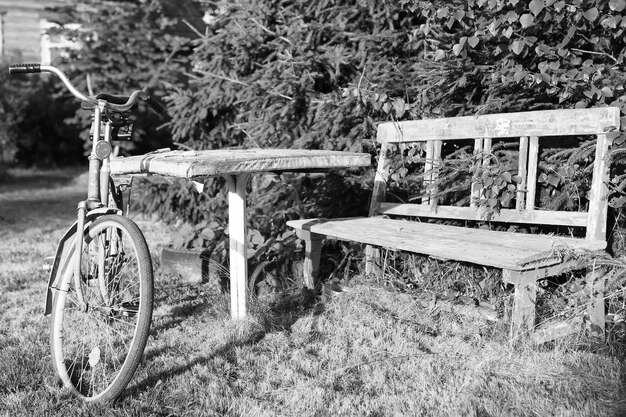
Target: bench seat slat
{"type": "Point", "coordinates": [507, 250]}
{"type": "Point", "coordinates": [560, 218]}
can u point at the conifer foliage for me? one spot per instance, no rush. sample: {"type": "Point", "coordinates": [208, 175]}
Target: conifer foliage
{"type": "Point", "coordinates": [321, 74]}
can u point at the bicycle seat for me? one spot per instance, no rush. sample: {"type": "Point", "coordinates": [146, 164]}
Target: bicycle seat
{"type": "Point", "coordinates": [110, 98]}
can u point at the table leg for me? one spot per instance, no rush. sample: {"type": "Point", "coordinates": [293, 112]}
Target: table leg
{"type": "Point", "coordinates": [238, 244]}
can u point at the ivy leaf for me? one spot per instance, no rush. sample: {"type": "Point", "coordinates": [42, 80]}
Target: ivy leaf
{"type": "Point", "coordinates": [519, 76]}
{"type": "Point", "coordinates": [473, 41]}
{"type": "Point", "coordinates": [617, 5]}
{"type": "Point", "coordinates": [517, 47]}
{"type": "Point", "coordinates": [559, 5]}
{"type": "Point", "coordinates": [536, 6]}
{"type": "Point", "coordinates": [398, 106]}
{"type": "Point", "coordinates": [553, 180]}
{"type": "Point", "coordinates": [591, 14]}
{"type": "Point", "coordinates": [439, 54]}
{"type": "Point", "coordinates": [527, 20]}
{"type": "Point", "coordinates": [617, 202]}
{"type": "Point", "coordinates": [607, 92]}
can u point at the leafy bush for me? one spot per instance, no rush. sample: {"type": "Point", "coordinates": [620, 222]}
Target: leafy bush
{"type": "Point", "coordinates": [32, 131]}
{"type": "Point", "coordinates": [322, 74]}
{"type": "Point", "coordinates": [126, 46]}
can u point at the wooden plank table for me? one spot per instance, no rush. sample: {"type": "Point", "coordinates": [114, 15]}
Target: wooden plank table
{"type": "Point", "coordinates": [235, 165]}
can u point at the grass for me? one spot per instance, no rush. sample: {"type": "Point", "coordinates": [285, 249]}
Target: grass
{"type": "Point", "coordinates": [370, 351]}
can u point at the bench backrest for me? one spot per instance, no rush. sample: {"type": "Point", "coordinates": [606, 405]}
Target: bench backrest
{"type": "Point", "coordinates": [525, 127]}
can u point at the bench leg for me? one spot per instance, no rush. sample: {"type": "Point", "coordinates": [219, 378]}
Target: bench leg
{"type": "Point", "coordinates": [313, 251]}
{"type": "Point", "coordinates": [372, 260]}
{"type": "Point", "coordinates": [524, 300]}
{"type": "Point", "coordinates": [595, 308]}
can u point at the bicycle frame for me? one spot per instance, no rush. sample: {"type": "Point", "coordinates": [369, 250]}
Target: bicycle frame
{"type": "Point", "coordinates": [97, 191]}
{"type": "Point", "coordinates": [97, 201]}
{"type": "Point", "coordinates": [100, 291]}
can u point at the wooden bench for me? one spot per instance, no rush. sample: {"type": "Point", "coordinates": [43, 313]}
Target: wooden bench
{"type": "Point", "coordinates": [523, 258]}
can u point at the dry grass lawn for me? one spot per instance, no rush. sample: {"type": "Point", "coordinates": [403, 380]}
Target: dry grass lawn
{"type": "Point", "coordinates": [367, 352]}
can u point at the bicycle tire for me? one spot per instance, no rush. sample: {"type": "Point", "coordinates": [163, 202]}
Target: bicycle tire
{"type": "Point", "coordinates": [96, 351]}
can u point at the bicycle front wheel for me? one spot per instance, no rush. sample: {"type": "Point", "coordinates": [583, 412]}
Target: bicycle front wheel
{"type": "Point", "coordinates": [97, 344]}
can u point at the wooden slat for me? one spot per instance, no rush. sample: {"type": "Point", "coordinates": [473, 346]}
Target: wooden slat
{"type": "Point", "coordinates": [598, 204]}
{"type": "Point", "coordinates": [238, 245]}
{"type": "Point", "coordinates": [531, 179]}
{"type": "Point", "coordinates": [557, 218]}
{"type": "Point", "coordinates": [428, 171]}
{"type": "Point", "coordinates": [372, 254]}
{"type": "Point", "coordinates": [435, 173]}
{"type": "Point", "coordinates": [535, 123]}
{"type": "Point", "coordinates": [486, 158]}
{"type": "Point", "coordinates": [431, 165]}
{"type": "Point", "coordinates": [522, 171]}
{"type": "Point", "coordinates": [200, 164]}
{"type": "Point", "coordinates": [514, 251]}
{"type": "Point", "coordinates": [475, 188]}
{"type": "Point", "coordinates": [380, 179]}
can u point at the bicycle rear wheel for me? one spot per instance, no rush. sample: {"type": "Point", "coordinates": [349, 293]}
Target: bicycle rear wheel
{"type": "Point", "coordinates": [97, 346]}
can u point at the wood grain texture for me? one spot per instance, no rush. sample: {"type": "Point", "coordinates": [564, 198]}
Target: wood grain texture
{"type": "Point", "coordinates": [201, 164]}
{"type": "Point", "coordinates": [598, 203]}
{"type": "Point", "coordinates": [238, 243]}
{"type": "Point", "coordinates": [531, 172]}
{"type": "Point", "coordinates": [507, 250]}
{"type": "Point", "coordinates": [557, 218]}
{"type": "Point", "coordinates": [379, 190]}
{"type": "Point", "coordinates": [534, 123]}
{"type": "Point", "coordinates": [522, 171]}
{"type": "Point", "coordinates": [475, 188]}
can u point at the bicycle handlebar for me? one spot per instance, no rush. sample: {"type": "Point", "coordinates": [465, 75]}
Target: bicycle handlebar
{"type": "Point", "coordinates": [24, 68]}
{"type": "Point", "coordinates": [37, 68]}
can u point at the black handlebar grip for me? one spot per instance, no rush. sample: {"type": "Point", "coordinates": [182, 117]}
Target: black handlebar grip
{"type": "Point", "coordinates": [24, 68]}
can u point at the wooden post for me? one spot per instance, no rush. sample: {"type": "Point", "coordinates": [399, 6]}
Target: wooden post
{"type": "Point", "coordinates": [475, 189]}
{"type": "Point", "coordinates": [313, 248]}
{"type": "Point", "coordinates": [598, 204]}
{"type": "Point", "coordinates": [596, 230]}
{"type": "Point", "coordinates": [522, 171]}
{"type": "Point", "coordinates": [372, 253]}
{"type": "Point", "coordinates": [238, 244]}
{"type": "Point", "coordinates": [524, 300]}
{"type": "Point", "coordinates": [434, 176]}
{"type": "Point", "coordinates": [428, 172]}
{"type": "Point", "coordinates": [595, 307]}
{"type": "Point", "coordinates": [531, 179]}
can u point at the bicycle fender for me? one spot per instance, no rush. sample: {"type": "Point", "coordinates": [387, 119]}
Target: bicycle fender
{"type": "Point", "coordinates": [65, 251]}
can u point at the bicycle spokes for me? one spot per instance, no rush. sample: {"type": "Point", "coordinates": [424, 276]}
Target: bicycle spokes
{"type": "Point", "coordinates": [94, 341]}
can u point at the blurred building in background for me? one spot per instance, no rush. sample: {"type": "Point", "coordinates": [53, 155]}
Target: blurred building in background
{"type": "Point", "coordinates": [23, 27]}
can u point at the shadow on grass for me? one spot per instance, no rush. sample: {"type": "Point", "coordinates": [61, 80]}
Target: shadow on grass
{"type": "Point", "coordinates": [279, 316]}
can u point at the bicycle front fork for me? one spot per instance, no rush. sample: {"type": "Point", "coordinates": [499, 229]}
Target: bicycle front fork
{"type": "Point", "coordinates": [80, 232]}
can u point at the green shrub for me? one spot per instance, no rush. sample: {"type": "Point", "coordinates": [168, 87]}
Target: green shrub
{"type": "Point", "coordinates": [322, 74]}
{"type": "Point", "coordinates": [32, 128]}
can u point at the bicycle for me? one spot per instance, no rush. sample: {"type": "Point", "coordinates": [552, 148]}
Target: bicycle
{"type": "Point", "coordinates": [100, 290]}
